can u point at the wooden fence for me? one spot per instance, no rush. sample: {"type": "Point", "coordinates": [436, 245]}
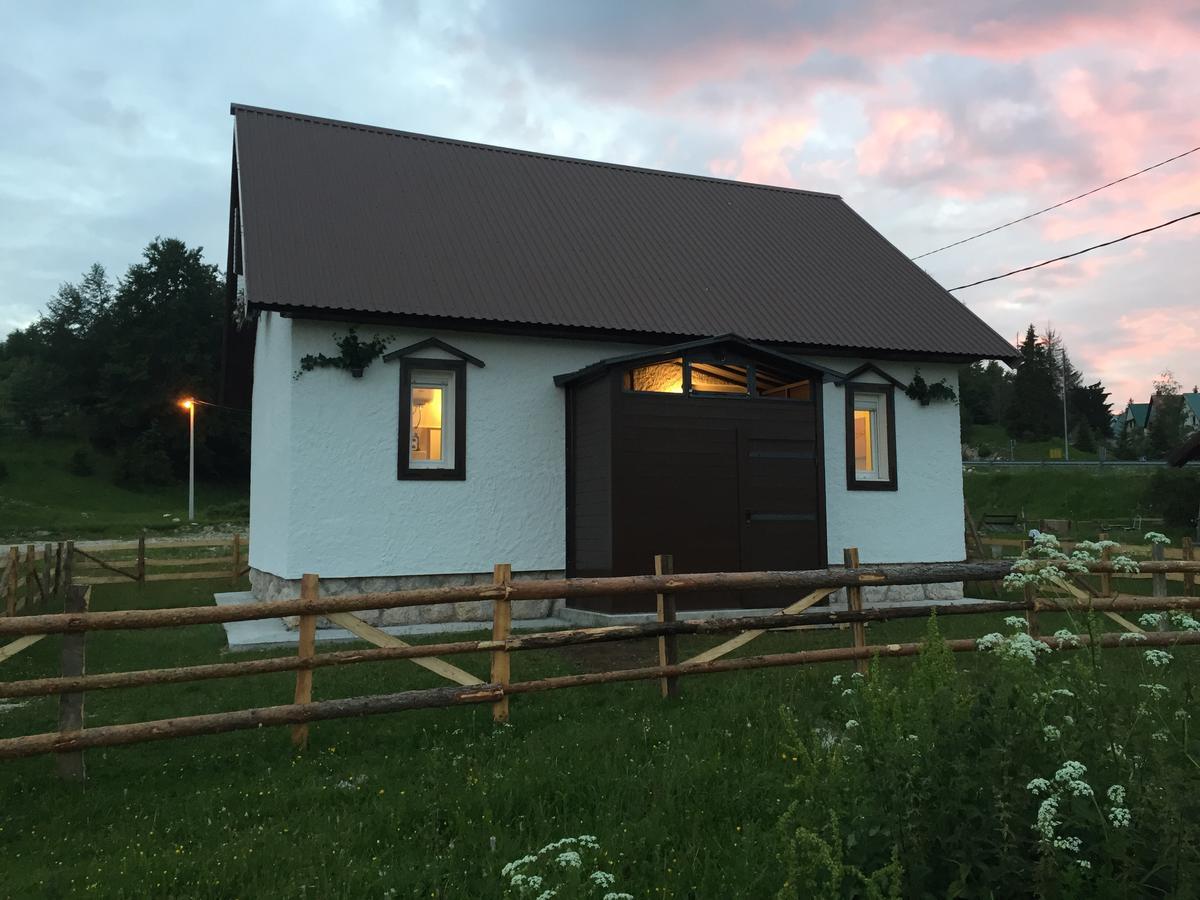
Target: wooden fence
{"type": "Point", "coordinates": [72, 737]}
{"type": "Point", "coordinates": [39, 574]}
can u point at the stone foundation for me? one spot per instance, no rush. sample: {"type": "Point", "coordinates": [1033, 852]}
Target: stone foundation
{"type": "Point", "coordinates": [266, 586]}
{"type": "Point", "coordinates": [906, 593]}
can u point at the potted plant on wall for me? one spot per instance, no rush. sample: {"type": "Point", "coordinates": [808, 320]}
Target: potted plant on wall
{"type": "Point", "coordinates": [354, 354]}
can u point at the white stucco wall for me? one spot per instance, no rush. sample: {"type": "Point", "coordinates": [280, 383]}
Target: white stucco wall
{"type": "Point", "coordinates": [347, 515]}
{"type": "Point", "coordinates": [271, 441]}
{"type": "Point", "coordinates": [922, 520]}
{"type": "Point", "coordinates": [325, 497]}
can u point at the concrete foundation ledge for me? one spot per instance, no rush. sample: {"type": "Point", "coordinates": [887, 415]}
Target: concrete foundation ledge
{"type": "Point", "coordinates": [267, 586]}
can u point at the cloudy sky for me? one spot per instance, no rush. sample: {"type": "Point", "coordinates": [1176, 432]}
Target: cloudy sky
{"type": "Point", "coordinates": [934, 120]}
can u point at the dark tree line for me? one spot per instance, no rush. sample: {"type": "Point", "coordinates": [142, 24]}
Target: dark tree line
{"type": "Point", "coordinates": [1028, 400]}
{"type": "Point", "coordinates": [109, 362]}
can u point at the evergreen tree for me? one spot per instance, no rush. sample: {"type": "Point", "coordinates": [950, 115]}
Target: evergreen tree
{"type": "Point", "coordinates": [1034, 411]}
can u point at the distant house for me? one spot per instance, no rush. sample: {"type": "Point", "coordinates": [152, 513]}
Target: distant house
{"type": "Point", "coordinates": [1191, 411]}
{"type": "Point", "coordinates": [1135, 417]}
{"type": "Point", "coordinates": [588, 364]}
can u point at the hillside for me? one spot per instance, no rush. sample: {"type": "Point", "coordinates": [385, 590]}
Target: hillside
{"type": "Point", "coordinates": [40, 498]}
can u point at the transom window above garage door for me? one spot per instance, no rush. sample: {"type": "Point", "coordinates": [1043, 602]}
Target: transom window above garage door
{"type": "Point", "coordinates": [717, 375]}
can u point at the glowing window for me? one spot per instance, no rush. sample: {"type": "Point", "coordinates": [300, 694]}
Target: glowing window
{"type": "Point", "coordinates": [431, 420]}
{"type": "Point", "coordinates": [657, 378]}
{"type": "Point", "coordinates": [870, 441]}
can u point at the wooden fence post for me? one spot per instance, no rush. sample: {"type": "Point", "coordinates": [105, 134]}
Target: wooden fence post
{"type": "Point", "coordinates": [74, 665]}
{"type": "Point", "coordinates": [237, 559]}
{"type": "Point", "coordinates": [1159, 580]}
{"type": "Point", "coordinates": [58, 571]}
{"type": "Point", "coordinates": [14, 572]}
{"type": "Point", "coordinates": [31, 588]}
{"type": "Point", "coordinates": [501, 629]}
{"type": "Point", "coordinates": [310, 588]}
{"type": "Point", "coordinates": [668, 644]}
{"type": "Point", "coordinates": [854, 603]}
{"type": "Point", "coordinates": [47, 586]}
{"type": "Point", "coordinates": [141, 559]}
{"type": "Point", "coordinates": [1189, 578]}
{"type": "Point", "coordinates": [67, 557]}
{"type": "Point", "coordinates": [1105, 578]}
{"type": "Point", "coordinates": [1031, 614]}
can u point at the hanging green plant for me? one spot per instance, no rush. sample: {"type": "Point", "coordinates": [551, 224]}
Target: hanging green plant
{"type": "Point", "coordinates": [924, 393]}
{"type": "Point", "coordinates": [353, 354]}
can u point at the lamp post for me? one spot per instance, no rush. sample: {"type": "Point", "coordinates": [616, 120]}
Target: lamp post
{"type": "Point", "coordinates": [190, 405]}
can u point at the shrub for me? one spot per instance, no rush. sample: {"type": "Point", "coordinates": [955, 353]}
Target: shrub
{"type": "Point", "coordinates": [1057, 774]}
{"type": "Point", "coordinates": [235, 509]}
{"type": "Point", "coordinates": [984, 450]}
{"type": "Point", "coordinates": [80, 463]}
{"type": "Point", "coordinates": [144, 462]}
{"type": "Point", "coordinates": [1174, 494]}
{"type": "Point", "coordinates": [3, 470]}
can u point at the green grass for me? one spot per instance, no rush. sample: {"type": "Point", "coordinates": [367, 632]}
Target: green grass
{"type": "Point", "coordinates": [1092, 498]}
{"type": "Point", "coordinates": [996, 437]}
{"type": "Point", "coordinates": [41, 498]}
{"type": "Point", "coordinates": [684, 796]}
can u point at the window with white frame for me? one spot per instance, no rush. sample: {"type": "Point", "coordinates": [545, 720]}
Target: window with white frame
{"type": "Point", "coordinates": [870, 437]}
{"type": "Point", "coordinates": [432, 396]}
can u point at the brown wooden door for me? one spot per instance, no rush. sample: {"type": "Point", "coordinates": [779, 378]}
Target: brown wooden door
{"type": "Point", "coordinates": [780, 502]}
{"type": "Point", "coordinates": [679, 496]}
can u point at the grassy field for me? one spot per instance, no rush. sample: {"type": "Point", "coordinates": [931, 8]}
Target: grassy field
{"type": "Point", "coordinates": [41, 498]}
{"type": "Point", "coordinates": [996, 437]}
{"type": "Point", "coordinates": [684, 797]}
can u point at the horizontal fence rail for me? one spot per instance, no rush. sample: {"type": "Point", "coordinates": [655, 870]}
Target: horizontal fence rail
{"type": "Point", "coordinates": [573, 588]}
{"type": "Point", "coordinates": [72, 738]}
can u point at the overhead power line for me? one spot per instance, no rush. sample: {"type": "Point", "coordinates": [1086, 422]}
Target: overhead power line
{"type": "Point", "coordinates": [1057, 205]}
{"type": "Point", "coordinates": [1077, 252]}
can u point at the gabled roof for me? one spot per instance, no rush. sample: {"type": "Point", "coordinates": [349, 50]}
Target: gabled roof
{"type": "Point", "coordinates": [1138, 413]}
{"type": "Point", "coordinates": [344, 219]}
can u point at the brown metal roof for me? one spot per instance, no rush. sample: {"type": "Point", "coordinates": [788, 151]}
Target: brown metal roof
{"type": "Point", "coordinates": [348, 218]}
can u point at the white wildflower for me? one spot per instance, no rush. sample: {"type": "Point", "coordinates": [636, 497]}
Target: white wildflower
{"type": "Point", "coordinates": [1066, 638]}
{"type": "Point", "coordinates": [569, 859]}
{"type": "Point", "coordinates": [1018, 623]}
{"type": "Point", "coordinates": [1122, 563]}
{"type": "Point", "coordinates": [1156, 537]}
{"type": "Point", "coordinates": [1083, 863]}
{"type": "Point", "coordinates": [848, 692]}
{"type": "Point", "coordinates": [1070, 844]}
{"type": "Point", "coordinates": [1061, 692]}
{"type": "Point", "coordinates": [1182, 621]}
{"type": "Point", "coordinates": [1038, 786]}
{"type": "Point", "coordinates": [1130, 637]}
{"type": "Point", "coordinates": [837, 679]}
{"type": "Point", "coordinates": [1050, 733]}
{"type": "Point", "coordinates": [615, 896]}
{"type": "Point", "coordinates": [1157, 658]}
{"type": "Point", "coordinates": [1161, 736]}
{"type": "Point", "coordinates": [1157, 691]}
{"type": "Point", "coordinates": [1046, 818]}
{"type": "Point", "coordinates": [602, 879]}
{"type": "Point", "coordinates": [1070, 771]}
{"type": "Point", "coordinates": [1116, 795]}
{"type": "Point", "coordinates": [1150, 620]}
{"type": "Point", "coordinates": [1182, 714]}
{"type": "Point", "coordinates": [1119, 817]}
{"type": "Point", "coordinates": [851, 723]}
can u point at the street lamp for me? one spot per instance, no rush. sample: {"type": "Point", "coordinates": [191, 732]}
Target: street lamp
{"type": "Point", "coordinates": [190, 405]}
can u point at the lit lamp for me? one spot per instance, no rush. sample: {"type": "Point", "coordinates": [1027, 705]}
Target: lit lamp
{"type": "Point", "coordinates": [190, 405]}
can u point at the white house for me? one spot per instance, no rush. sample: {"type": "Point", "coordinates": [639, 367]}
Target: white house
{"type": "Point", "coordinates": [586, 364]}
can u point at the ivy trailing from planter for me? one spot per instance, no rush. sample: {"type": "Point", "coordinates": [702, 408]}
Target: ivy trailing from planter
{"type": "Point", "coordinates": [354, 354]}
{"type": "Point", "coordinates": [924, 393]}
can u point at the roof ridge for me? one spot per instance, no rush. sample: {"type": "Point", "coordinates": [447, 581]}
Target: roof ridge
{"type": "Point", "coordinates": [235, 108]}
